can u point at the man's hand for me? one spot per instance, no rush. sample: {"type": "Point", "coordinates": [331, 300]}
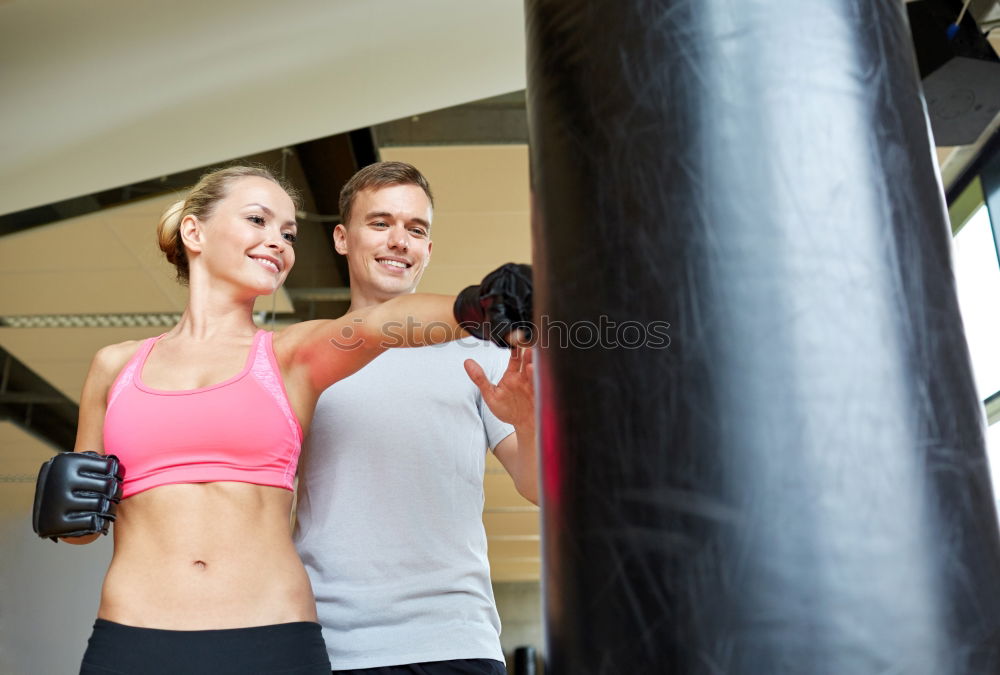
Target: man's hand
{"type": "Point", "coordinates": [512, 399]}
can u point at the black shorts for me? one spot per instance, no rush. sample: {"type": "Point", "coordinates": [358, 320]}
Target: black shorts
{"type": "Point", "coordinates": [285, 648]}
{"type": "Point", "coordinates": [454, 667]}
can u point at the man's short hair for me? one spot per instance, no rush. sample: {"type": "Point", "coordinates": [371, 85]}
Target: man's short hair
{"type": "Point", "coordinates": [380, 175]}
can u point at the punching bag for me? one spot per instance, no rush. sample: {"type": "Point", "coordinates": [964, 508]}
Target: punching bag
{"type": "Point", "coordinates": [762, 448]}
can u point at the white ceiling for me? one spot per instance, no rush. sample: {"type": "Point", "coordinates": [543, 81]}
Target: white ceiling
{"type": "Point", "coordinates": [103, 93]}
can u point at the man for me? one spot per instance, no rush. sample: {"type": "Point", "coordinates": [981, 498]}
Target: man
{"type": "Point", "coordinates": [391, 492]}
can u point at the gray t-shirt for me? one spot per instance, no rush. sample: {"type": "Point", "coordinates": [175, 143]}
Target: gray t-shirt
{"type": "Point", "coordinates": [389, 521]}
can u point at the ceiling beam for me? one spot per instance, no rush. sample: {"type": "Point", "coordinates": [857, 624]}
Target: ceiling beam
{"type": "Point", "coordinates": [36, 406]}
{"type": "Point", "coordinates": [328, 163]}
{"type": "Point", "coordinates": [497, 120]}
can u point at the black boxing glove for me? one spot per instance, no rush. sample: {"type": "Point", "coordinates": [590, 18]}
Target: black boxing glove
{"type": "Point", "coordinates": [499, 305]}
{"type": "Point", "coordinates": [77, 493]}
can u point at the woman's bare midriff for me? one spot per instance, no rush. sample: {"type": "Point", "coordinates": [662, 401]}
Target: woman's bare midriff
{"type": "Point", "coordinates": [206, 556]}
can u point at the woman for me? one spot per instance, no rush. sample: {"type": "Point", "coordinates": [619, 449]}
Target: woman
{"type": "Point", "coordinates": [207, 422]}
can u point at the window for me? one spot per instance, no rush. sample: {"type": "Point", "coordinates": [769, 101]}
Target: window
{"type": "Point", "coordinates": [977, 274]}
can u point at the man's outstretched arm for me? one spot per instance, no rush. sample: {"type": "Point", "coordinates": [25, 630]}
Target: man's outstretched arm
{"type": "Point", "coordinates": [512, 400]}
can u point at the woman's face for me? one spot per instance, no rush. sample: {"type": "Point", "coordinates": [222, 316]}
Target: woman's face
{"type": "Point", "coordinates": [249, 237]}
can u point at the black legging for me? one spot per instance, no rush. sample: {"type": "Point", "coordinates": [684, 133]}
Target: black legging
{"type": "Point", "coordinates": [285, 648]}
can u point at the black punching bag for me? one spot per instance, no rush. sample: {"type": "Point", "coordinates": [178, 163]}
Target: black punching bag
{"type": "Point", "coordinates": [791, 478]}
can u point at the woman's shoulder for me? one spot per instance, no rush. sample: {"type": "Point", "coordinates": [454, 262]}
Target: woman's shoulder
{"type": "Point", "coordinates": [104, 368]}
{"type": "Point", "coordinates": [109, 360]}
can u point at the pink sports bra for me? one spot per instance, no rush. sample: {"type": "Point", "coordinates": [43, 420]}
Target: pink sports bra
{"type": "Point", "coordinates": [242, 429]}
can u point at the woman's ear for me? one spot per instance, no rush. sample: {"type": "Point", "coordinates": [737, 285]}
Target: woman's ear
{"type": "Point", "coordinates": [191, 232]}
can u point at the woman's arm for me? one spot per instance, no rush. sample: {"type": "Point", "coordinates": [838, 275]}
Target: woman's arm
{"type": "Point", "coordinates": [331, 350]}
{"type": "Point", "coordinates": [104, 369]}
{"type": "Point", "coordinates": [323, 352]}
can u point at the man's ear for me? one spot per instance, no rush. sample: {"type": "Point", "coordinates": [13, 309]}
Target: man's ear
{"type": "Point", "coordinates": [427, 260]}
{"type": "Point", "coordinates": [191, 232]}
{"type": "Point", "coordinates": [340, 239]}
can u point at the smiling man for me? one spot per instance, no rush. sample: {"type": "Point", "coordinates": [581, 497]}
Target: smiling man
{"type": "Point", "coordinates": [391, 490]}
{"type": "Point", "coordinates": [386, 238]}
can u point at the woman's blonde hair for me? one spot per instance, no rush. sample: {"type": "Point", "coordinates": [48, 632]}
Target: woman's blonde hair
{"type": "Point", "coordinates": [200, 201]}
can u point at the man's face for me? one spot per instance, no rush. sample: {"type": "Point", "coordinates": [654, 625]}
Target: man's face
{"type": "Point", "coordinates": [387, 241]}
